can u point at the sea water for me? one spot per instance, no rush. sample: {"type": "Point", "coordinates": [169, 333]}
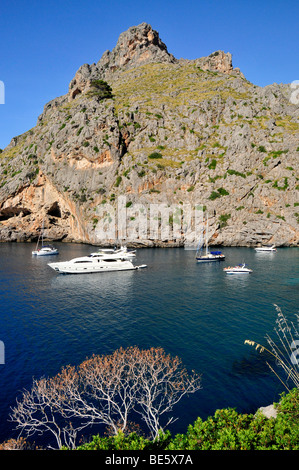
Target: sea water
{"type": "Point", "coordinates": [192, 310]}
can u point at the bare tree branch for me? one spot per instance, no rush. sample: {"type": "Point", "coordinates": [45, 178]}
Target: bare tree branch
{"type": "Point", "coordinates": [163, 382]}
{"type": "Point", "coordinates": [105, 390]}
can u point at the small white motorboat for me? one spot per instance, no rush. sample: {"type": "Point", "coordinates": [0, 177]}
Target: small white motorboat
{"type": "Point", "coordinates": [93, 263]}
{"type": "Point", "coordinates": [240, 269]}
{"type": "Point", "coordinates": [265, 249]}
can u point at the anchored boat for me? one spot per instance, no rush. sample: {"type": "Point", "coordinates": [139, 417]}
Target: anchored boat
{"type": "Point", "coordinates": [93, 263]}
{"type": "Point", "coordinates": [240, 269]}
{"type": "Point", "coordinates": [266, 249]}
{"type": "Point", "coordinates": [208, 255]}
{"type": "Point", "coordinates": [45, 250]}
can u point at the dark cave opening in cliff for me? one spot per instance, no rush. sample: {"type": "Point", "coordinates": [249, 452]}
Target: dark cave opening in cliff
{"type": "Point", "coordinates": [54, 210]}
{"type": "Point", "coordinates": [75, 93]}
{"type": "Point", "coordinates": [10, 212]}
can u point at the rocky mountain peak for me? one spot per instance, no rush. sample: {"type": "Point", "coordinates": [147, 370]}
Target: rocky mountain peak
{"type": "Point", "coordinates": [136, 46]}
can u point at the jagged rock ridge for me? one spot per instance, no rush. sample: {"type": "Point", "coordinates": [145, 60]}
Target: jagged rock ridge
{"type": "Point", "coordinates": [218, 139]}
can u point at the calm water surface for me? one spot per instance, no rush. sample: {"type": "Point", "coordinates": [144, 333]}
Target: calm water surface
{"type": "Point", "coordinates": [192, 310]}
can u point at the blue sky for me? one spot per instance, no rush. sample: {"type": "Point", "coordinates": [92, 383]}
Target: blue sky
{"type": "Point", "coordinates": [43, 43]}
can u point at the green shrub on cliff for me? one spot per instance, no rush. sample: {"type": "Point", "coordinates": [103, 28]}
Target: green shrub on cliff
{"type": "Point", "coordinates": [226, 430]}
{"type": "Point", "coordinates": [100, 89]}
{"type": "Point", "coordinates": [155, 155]}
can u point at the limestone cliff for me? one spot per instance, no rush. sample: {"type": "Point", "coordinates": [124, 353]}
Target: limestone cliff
{"type": "Point", "coordinates": [142, 124]}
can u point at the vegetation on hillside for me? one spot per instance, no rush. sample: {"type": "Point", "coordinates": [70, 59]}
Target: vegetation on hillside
{"type": "Point", "coordinates": [100, 89]}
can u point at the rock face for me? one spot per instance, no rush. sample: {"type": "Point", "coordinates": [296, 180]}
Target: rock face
{"type": "Point", "coordinates": [218, 62]}
{"type": "Point", "coordinates": [172, 134]}
{"type": "Point", "coordinates": [269, 411]}
{"type": "Point", "coordinates": [138, 46]}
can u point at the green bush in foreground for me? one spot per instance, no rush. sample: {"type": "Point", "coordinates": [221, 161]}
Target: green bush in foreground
{"type": "Point", "coordinates": [226, 430]}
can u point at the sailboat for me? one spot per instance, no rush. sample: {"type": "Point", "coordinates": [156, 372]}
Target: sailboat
{"type": "Point", "coordinates": [208, 256]}
{"type": "Point", "coordinates": [45, 250]}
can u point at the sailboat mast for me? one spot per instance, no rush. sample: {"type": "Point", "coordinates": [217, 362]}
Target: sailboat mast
{"type": "Point", "coordinates": [207, 235]}
{"type": "Point", "coordinates": [37, 242]}
{"type": "Point", "coordinates": [43, 234]}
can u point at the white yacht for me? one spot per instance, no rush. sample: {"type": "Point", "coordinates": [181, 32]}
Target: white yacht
{"type": "Point", "coordinates": [208, 255]}
{"type": "Point", "coordinates": [266, 249]}
{"type": "Point", "coordinates": [121, 252]}
{"type": "Point", "coordinates": [93, 263]}
{"type": "Point", "coordinates": [240, 269]}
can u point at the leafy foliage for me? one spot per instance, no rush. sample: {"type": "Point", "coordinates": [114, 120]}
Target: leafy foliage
{"type": "Point", "coordinates": [226, 430]}
{"type": "Point", "coordinates": [100, 89]}
{"type": "Point", "coordinates": [155, 155]}
{"type": "Point", "coordinates": [220, 192]}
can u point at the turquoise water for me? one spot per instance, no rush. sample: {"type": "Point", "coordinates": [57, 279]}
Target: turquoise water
{"type": "Point", "coordinates": [192, 310]}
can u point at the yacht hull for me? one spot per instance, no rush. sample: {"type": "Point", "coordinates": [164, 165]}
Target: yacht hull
{"type": "Point", "coordinates": [93, 267]}
{"type": "Point", "coordinates": [230, 273]}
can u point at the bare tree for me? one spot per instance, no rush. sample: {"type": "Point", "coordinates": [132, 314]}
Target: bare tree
{"type": "Point", "coordinates": [105, 390]}
{"type": "Point", "coordinates": [41, 410]}
{"type": "Point", "coordinates": [163, 382]}
{"type": "Point", "coordinates": [148, 381]}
